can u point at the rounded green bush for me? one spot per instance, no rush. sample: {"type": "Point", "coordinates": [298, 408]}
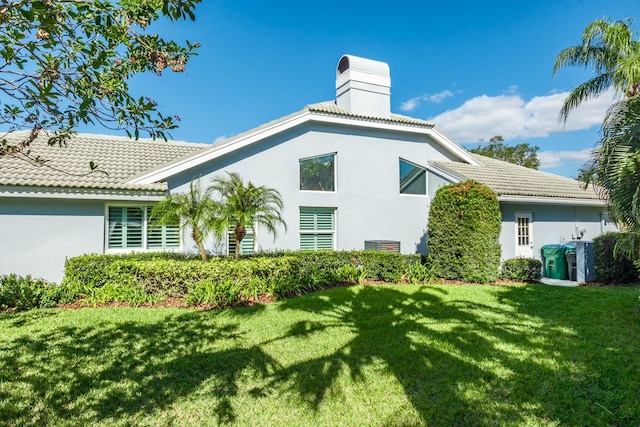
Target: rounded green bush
{"type": "Point", "coordinates": [522, 269]}
{"type": "Point", "coordinates": [609, 268]}
{"type": "Point", "coordinates": [464, 233]}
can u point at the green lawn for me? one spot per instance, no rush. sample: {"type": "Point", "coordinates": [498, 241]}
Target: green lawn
{"type": "Point", "coordinates": [365, 355]}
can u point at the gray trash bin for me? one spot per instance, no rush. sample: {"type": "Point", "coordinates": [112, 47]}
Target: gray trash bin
{"type": "Point", "coordinates": [572, 271]}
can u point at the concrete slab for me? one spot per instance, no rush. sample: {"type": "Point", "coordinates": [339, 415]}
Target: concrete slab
{"type": "Point", "coordinates": [558, 282]}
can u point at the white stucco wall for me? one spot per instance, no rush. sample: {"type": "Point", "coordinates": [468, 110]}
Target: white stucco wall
{"type": "Point", "coordinates": [39, 234]}
{"type": "Point", "coordinates": [367, 197]}
{"type": "Point", "coordinates": [552, 224]}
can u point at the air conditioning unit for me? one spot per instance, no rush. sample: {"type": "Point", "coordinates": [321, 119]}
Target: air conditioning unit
{"type": "Point", "coordinates": [382, 245]}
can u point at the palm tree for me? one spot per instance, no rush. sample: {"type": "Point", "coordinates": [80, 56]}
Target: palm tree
{"type": "Point", "coordinates": [616, 162]}
{"type": "Point", "coordinates": [193, 210]}
{"type": "Point", "coordinates": [611, 51]}
{"type": "Point", "coordinates": [245, 206]}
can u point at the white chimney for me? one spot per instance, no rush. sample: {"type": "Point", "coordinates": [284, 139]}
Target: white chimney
{"type": "Point", "coordinates": [363, 86]}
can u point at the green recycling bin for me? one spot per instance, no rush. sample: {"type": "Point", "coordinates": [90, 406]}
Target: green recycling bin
{"type": "Point", "coordinates": [555, 262]}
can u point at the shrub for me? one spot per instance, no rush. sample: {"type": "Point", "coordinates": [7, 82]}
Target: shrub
{"type": "Point", "coordinates": [144, 278]}
{"type": "Point", "coordinates": [608, 268]}
{"type": "Point", "coordinates": [92, 270]}
{"type": "Point", "coordinates": [464, 233]}
{"type": "Point", "coordinates": [420, 273]}
{"type": "Point", "coordinates": [23, 293]}
{"type": "Point", "coordinates": [350, 274]}
{"type": "Point", "coordinates": [321, 267]}
{"type": "Point", "coordinates": [522, 269]}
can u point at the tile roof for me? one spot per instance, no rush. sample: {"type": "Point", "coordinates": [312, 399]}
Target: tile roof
{"type": "Point", "coordinates": [330, 107]}
{"type": "Point", "coordinates": [507, 179]}
{"type": "Point", "coordinates": [68, 167]}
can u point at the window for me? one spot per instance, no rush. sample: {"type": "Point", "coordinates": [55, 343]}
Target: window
{"type": "Point", "coordinates": [318, 173]}
{"type": "Point", "coordinates": [129, 227]}
{"type": "Point", "coordinates": [246, 245]}
{"type": "Point", "coordinates": [317, 228]}
{"type": "Point", "coordinates": [523, 231]}
{"type": "Point", "coordinates": [413, 179]}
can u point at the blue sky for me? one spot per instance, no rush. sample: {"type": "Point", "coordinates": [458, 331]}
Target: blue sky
{"type": "Point", "coordinates": [477, 69]}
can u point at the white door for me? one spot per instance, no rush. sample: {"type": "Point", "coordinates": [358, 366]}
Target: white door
{"type": "Point", "coordinates": [524, 235]}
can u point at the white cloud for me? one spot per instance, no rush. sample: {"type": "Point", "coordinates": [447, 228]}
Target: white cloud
{"type": "Point", "coordinates": [410, 104]}
{"type": "Point", "coordinates": [555, 159]}
{"type": "Point", "coordinates": [218, 139]}
{"type": "Point", "coordinates": [512, 117]}
{"type": "Point", "coordinates": [436, 98]}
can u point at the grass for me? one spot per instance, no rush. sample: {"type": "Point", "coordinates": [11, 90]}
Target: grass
{"type": "Point", "coordinates": [364, 355]}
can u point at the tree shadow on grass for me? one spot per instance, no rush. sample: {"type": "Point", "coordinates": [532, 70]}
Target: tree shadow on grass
{"type": "Point", "coordinates": [110, 370]}
{"type": "Point", "coordinates": [501, 355]}
{"type": "Point", "coordinates": [597, 332]}
{"type": "Point", "coordinates": [459, 362]}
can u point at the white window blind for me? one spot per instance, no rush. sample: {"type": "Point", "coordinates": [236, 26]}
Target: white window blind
{"type": "Point", "coordinates": [125, 227]}
{"type": "Point", "coordinates": [317, 228]}
{"type": "Point", "coordinates": [162, 237]}
{"type": "Point", "coordinates": [129, 227]}
{"type": "Point", "coordinates": [246, 245]}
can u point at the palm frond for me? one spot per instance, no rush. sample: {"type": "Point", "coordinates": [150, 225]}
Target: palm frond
{"type": "Point", "coordinates": [627, 74]}
{"type": "Point", "coordinates": [610, 49]}
{"type": "Point", "coordinates": [585, 56]}
{"type": "Point", "coordinates": [587, 90]}
{"type": "Point", "coordinates": [618, 161]}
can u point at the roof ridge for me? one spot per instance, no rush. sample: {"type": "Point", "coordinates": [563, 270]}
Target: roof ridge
{"type": "Point", "coordinates": [330, 107]}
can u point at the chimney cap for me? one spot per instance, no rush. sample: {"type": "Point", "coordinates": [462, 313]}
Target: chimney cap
{"type": "Point", "coordinates": [356, 63]}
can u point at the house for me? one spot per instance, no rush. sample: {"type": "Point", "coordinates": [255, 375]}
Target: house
{"type": "Point", "coordinates": [349, 171]}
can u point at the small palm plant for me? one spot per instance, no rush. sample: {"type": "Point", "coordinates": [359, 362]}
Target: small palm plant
{"type": "Point", "coordinates": [193, 211]}
{"type": "Point", "coordinates": [245, 206]}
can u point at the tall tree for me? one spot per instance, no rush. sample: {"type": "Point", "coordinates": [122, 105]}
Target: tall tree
{"type": "Point", "coordinates": [521, 154]}
{"type": "Point", "coordinates": [245, 206]}
{"type": "Point", "coordinates": [194, 211]}
{"type": "Point", "coordinates": [610, 50]}
{"type": "Point", "coordinates": [67, 62]}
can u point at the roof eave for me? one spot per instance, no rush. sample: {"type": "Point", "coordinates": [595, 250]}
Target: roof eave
{"type": "Point", "coordinates": [445, 173]}
{"type": "Point", "coordinates": [81, 193]}
{"type": "Point", "coordinates": [552, 200]}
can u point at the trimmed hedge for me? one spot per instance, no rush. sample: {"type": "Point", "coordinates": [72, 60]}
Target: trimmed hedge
{"type": "Point", "coordinates": [610, 269]}
{"type": "Point", "coordinates": [23, 293]}
{"type": "Point", "coordinates": [91, 270]}
{"type": "Point", "coordinates": [464, 233]}
{"type": "Point", "coordinates": [145, 278]}
{"type": "Point", "coordinates": [522, 269]}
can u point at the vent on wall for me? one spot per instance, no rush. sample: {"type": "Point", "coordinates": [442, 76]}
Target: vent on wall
{"type": "Point", "coordinates": [382, 245]}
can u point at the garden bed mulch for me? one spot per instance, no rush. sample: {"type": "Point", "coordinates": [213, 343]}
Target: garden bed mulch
{"type": "Point", "coordinates": [174, 302]}
{"type": "Point", "coordinates": [171, 302]}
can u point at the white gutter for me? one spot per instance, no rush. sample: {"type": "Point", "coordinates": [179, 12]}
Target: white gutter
{"type": "Point", "coordinates": [81, 193]}
{"type": "Point", "coordinates": [552, 200]}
